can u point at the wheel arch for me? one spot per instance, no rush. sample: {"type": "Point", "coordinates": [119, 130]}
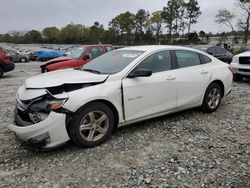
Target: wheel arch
{"type": "Point", "coordinates": [106, 102]}
{"type": "Point", "coordinates": [221, 84]}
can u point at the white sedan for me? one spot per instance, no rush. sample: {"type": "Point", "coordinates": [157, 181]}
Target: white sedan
{"type": "Point", "coordinates": [122, 87]}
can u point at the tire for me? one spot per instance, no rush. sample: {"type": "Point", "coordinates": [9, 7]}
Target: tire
{"type": "Point", "coordinates": [1, 72]}
{"type": "Point", "coordinates": [23, 60]}
{"type": "Point", "coordinates": [86, 131]}
{"type": "Point", "coordinates": [212, 98]}
{"type": "Point", "coordinates": [237, 78]}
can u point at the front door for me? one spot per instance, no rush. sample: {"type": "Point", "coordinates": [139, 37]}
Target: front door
{"type": "Point", "coordinates": [144, 96]}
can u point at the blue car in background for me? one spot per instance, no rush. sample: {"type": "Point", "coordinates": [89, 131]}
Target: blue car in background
{"type": "Point", "coordinates": [47, 55]}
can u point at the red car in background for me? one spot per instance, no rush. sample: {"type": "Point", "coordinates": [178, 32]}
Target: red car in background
{"type": "Point", "coordinates": [77, 58]}
{"type": "Point", "coordinates": [6, 63]}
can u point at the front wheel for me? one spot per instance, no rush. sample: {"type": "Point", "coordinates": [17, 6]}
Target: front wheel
{"type": "Point", "coordinates": [92, 125]}
{"type": "Point", "coordinates": [212, 98]}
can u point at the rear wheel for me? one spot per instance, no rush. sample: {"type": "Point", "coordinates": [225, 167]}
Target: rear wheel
{"type": "Point", "coordinates": [212, 98]}
{"type": "Point", "coordinates": [23, 60]}
{"type": "Point", "coordinates": [237, 77]}
{"type": "Point", "coordinates": [1, 72]}
{"type": "Point", "coordinates": [92, 126]}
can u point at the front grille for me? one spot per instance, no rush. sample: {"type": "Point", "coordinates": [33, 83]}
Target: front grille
{"type": "Point", "coordinates": [244, 60]}
{"type": "Point", "coordinates": [24, 115]}
{"type": "Point", "coordinates": [244, 70]}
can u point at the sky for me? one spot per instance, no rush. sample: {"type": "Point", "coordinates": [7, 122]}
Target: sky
{"type": "Point", "coordinates": [22, 15]}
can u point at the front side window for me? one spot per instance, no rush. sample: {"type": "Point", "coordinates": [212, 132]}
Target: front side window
{"type": "Point", "coordinates": [158, 62]}
{"type": "Point", "coordinates": [187, 58]}
{"type": "Point", "coordinates": [75, 54]}
{"type": "Point", "coordinates": [108, 48]}
{"type": "Point", "coordinates": [94, 52]}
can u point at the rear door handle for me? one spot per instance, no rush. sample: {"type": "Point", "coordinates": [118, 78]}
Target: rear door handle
{"type": "Point", "coordinates": [170, 78]}
{"type": "Point", "coordinates": [204, 72]}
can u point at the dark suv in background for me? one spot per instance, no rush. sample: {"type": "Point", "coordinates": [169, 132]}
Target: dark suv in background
{"type": "Point", "coordinates": [220, 53]}
{"type": "Point", "coordinates": [6, 63]}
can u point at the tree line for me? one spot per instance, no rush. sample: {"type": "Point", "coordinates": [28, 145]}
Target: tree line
{"type": "Point", "coordinates": [171, 25]}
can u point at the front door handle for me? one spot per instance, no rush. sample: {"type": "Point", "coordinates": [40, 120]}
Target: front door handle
{"type": "Point", "coordinates": [204, 72]}
{"type": "Point", "coordinates": [170, 78]}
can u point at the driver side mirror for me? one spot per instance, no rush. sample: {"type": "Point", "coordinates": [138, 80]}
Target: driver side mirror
{"type": "Point", "coordinates": [140, 73]}
{"type": "Point", "coordinates": [85, 57]}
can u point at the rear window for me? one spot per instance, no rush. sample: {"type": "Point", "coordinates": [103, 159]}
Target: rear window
{"type": "Point", "coordinates": [205, 59]}
{"type": "Point", "coordinates": [187, 58]}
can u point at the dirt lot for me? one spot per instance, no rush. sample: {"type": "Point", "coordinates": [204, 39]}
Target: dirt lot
{"type": "Point", "coordinates": [187, 149]}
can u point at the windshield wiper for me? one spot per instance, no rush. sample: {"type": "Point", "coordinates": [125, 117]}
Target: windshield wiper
{"type": "Point", "coordinates": [92, 70]}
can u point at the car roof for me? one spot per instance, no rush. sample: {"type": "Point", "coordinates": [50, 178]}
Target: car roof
{"type": "Point", "coordinates": [152, 48]}
{"type": "Point", "coordinates": [90, 45]}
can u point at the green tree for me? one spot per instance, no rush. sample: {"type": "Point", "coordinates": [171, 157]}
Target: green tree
{"type": "Point", "coordinates": [192, 13]}
{"type": "Point", "coordinates": [113, 33]}
{"type": "Point", "coordinates": [156, 24]}
{"type": "Point", "coordinates": [202, 35]}
{"type": "Point", "coordinates": [126, 24]}
{"type": "Point", "coordinates": [173, 17]}
{"type": "Point", "coordinates": [96, 33]}
{"type": "Point", "coordinates": [74, 34]}
{"type": "Point", "coordinates": [244, 23]}
{"type": "Point", "coordinates": [168, 15]}
{"type": "Point", "coordinates": [51, 34]}
{"type": "Point", "coordinates": [141, 21]}
{"type": "Point", "coordinates": [33, 36]}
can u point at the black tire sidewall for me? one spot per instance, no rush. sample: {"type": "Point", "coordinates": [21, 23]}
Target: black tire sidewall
{"type": "Point", "coordinates": [205, 107]}
{"type": "Point", "coordinates": [1, 72]}
{"type": "Point", "coordinates": [73, 128]}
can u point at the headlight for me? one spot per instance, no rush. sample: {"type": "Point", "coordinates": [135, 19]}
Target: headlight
{"type": "Point", "coordinates": [235, 59]}
{"type": "Point", "coordinates": [47, 105]}
{"type": "Point", "coordinates": [53, 105]}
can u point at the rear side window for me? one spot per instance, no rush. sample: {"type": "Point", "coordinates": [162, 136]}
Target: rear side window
{"type": "Point", "coordinates": [205, 59]}
{"type": "Point", "coordinates": [187, 58]}
{"type": "Point", "coordinates": [158, 62]}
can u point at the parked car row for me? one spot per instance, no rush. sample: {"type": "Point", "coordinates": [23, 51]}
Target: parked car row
{"type": "Point", "coordinates": [77, 58]}
{"type": "Point", "coordinates": [21, 55]}
{"type": "Point", "coordinates": [59, 47]}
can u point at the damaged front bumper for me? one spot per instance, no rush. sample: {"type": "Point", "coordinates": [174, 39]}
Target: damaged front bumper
{"type": "Point", "coordinates": [35, 125]}
{"type": "Point", "coordinates": [48, 133]}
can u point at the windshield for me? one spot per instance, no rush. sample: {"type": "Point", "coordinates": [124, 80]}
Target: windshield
{"type": "Point", "coordinates": [75, 54]}
{"type": "Point", "coordinates": [112, 62]}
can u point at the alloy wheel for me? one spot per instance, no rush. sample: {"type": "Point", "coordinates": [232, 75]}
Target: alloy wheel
{"type": "Point", "coordinates": [94, 126]}
{"type": "Point", "coordinates": [214, 97]}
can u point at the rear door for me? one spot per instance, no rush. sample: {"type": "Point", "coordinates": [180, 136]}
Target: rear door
{"type": "Point", "coordinates": [193, 75]}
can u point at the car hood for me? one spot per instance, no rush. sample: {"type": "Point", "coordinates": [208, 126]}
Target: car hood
{"type": "Point", "coordinates": [66, 76]}
{"type": "Point", "coordinates": [56, 60]}
{"type": "Point", "coordinates": [244, 54]}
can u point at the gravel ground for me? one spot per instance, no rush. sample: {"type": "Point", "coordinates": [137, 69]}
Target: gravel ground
{"type": "Point", "coordinates": [187, 149]}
